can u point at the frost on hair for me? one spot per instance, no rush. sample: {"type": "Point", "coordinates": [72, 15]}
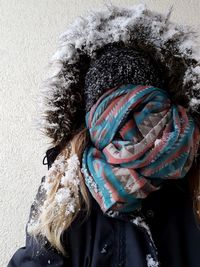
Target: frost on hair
{"type": "Point", "coordinates": [67, 194]}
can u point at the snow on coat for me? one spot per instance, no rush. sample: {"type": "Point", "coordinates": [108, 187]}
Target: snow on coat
{"type": "Point", "coordinates": [100, 240]}
{"type": "Point", "coordinates": [174, 47]}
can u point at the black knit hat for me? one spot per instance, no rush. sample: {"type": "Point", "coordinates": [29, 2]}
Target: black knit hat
{"type": "Point", "coordinates": [119, 65]}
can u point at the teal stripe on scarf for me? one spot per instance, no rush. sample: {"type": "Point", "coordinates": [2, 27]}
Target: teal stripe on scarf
{"type": "Point", "coordinates": [136, 144]}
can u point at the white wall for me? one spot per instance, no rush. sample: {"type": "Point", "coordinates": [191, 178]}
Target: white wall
{"type": "Point", "coordinates": [29, 31]}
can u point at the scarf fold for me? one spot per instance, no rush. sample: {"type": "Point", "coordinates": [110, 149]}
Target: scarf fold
{"type": "Point", "coordinates": [139, 138]}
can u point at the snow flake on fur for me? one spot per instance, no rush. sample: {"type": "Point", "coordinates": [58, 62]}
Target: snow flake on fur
{"type": "Point", "coordinates": [151, 262]}
{"type": "Point", "coordinates": [174, 47]}
{"type": "Point", "coordinates": [66, 196]}
{"type": "Point", "coordinates": [69, 182]}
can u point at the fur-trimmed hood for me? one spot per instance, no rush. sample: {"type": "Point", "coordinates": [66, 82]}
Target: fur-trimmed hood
{"type": "Point", "coordinates": [61, 100]}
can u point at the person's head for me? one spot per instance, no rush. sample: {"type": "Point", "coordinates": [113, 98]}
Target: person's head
{"type": "Point", "coordinates": [142, 59]}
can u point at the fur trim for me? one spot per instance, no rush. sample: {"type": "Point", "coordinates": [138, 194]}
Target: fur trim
{"type": "Point", "coordinates": [174, 47]}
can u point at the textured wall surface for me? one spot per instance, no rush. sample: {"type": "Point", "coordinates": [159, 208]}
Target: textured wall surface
{"type": "Point", "coordinates": [29, 31]}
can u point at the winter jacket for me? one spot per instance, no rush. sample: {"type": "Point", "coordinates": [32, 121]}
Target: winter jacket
{"type": "Point", "coordinates": [99, 240]}
{"type": "Point", "coordinates": [102, 241]}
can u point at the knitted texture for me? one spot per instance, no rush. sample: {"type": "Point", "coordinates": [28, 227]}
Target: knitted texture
{"type": "Point", "coordinates": [117, 66]}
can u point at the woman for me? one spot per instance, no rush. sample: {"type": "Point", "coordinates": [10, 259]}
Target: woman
{"type": "Point", "coordinates": [122, 109]}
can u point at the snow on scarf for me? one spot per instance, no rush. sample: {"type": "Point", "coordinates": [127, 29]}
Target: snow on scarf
{"type": "Point", "coordinates": [138, 139]}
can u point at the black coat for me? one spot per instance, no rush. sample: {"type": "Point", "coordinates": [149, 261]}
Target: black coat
{"type": "Point", "coordinates": [103, 241]}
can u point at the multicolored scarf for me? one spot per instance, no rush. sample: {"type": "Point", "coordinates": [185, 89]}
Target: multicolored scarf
{"type": "Point", "coordinates": [138, 139]}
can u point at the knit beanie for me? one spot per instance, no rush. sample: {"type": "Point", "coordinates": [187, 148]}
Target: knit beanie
{"type": "Point", "coordinates": [119, 65]}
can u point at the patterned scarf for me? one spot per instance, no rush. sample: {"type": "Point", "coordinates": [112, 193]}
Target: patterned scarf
{"type": "Point", "coordinates": [138, 139]}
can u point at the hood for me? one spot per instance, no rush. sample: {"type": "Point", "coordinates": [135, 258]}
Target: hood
{"type": "Point", "coordinates": [61, 108]}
